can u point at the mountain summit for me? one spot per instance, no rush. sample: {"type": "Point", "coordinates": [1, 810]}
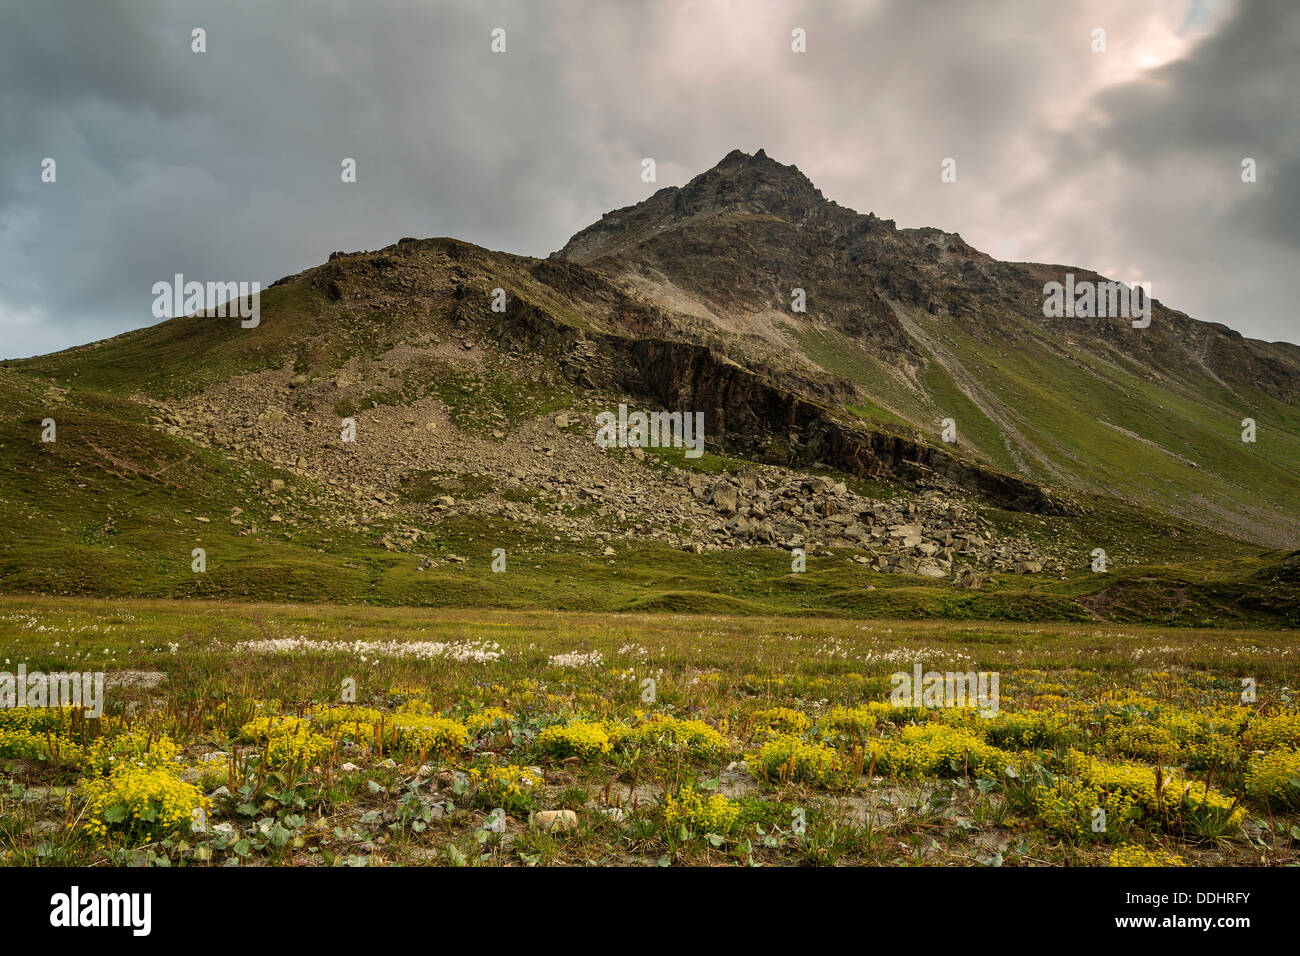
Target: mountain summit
{"type": "Point", "coordinates": [738, 185]}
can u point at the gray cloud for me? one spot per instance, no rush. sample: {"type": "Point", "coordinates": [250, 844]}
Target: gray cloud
{"type": "Point", "coordinates": [225, 165]}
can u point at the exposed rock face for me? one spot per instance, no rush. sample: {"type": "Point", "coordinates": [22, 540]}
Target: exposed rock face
{"type": "Point", "coordinates": [743, 410]}
{"type": "Point", "coordinates": [738, 403]}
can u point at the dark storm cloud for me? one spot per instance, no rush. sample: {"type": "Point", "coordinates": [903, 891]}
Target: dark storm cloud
{"type": "Point", "coordinates": [1214, 246]}
{"type": "Point", "coordinates": [225, 165]}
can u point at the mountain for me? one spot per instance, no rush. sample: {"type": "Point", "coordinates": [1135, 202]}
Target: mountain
{"type": "Point", "coordinates": [474, 430]}
{"type": "Point", "coordinates": [908, 327]}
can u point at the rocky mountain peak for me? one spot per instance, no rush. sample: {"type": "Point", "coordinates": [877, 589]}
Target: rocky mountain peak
{"type": "Point", "coordinates": [754, 184]}
{"type": "Point", "coordinates": [740, 184]}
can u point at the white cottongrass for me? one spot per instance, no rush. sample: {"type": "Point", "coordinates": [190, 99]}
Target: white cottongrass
{"type": "Point", "coordinates": [477, 652]}
{"type": "Point", "coordinates": [577, 659]}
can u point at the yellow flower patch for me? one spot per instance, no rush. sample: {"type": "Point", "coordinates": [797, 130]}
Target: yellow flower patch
{"type": "Point", "coordinates": [357, 723]}
{"type": "Point", "coordinates": [139, 805]}
{"type": "Point", "coordinates": [1027, 729]}
{"type": "Point", "coordinates": [582, 738]}
{"type": "Point", "coordinates": [486, 718]}
{"type": "Point", "coordinates": [286, 741]}
{"type": "Point", "coordinates": [506, 786]}
{"type": "Point", "coordinates": [1144, 741]}
{"type": "Point", "coordinates": [671, 735]}
{"type": "Point", "coordinates": [782, 720]}
{"type": "Point", "coordinates": [259, 728]}
{"type": "Point", "coordinates": [1274, 778]}
{"type": "Point", "coordinates": [1273, 731]}
{"type": "Point", "coordinates": [714, 814]}
{"type": "Point", "coordinates": [849, 720]}
{"type": "Point", "coordinates": [1172, 803]}
{"type": "Point", "coordinates": [22, 744]}
{"type": "Point", "coordinates": [787, 759]}
{"type": "Point", "coordinates": [427, 734]}
{"type": "Point", "coordinates": [930, 750]}
{"type": "Point", "coordinates": [1068, 808]}
{"type": "Point", "coordinates": [1130, 855]}
{"type": "Point", "coordinates": [140, 750]}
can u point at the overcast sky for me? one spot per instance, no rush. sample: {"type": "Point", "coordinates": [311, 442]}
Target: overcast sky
{"type": "Point", "coordinates": [225, 165]}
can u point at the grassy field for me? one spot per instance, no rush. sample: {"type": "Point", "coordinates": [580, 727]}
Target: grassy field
{"type": "Point", "coordinates": [329, 735]}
